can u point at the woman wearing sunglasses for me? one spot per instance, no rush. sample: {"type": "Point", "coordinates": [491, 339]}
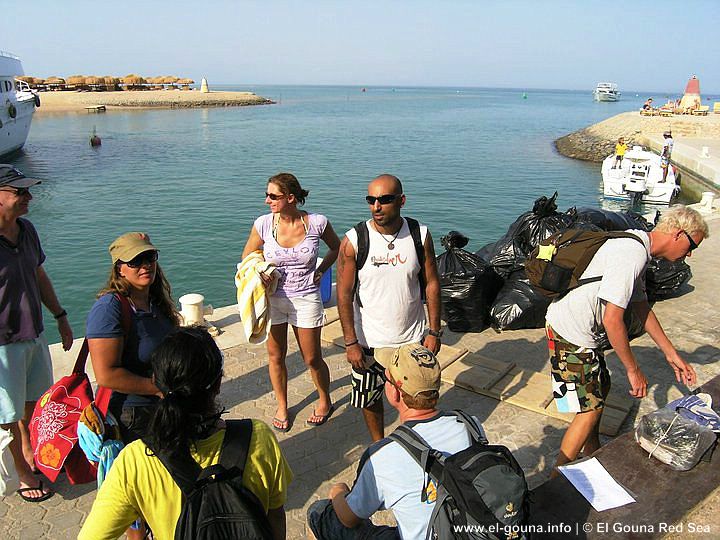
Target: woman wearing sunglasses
{"type": "Point", "coordinates": [121, 361]}
{"type": "Point", "coordinates": [290, 239]}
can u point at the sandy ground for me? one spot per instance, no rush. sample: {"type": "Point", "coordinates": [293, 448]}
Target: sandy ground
{"type": "Point", "coordinates": [65, 102]}
{"type": "Point", "coordinates": [631, 124]}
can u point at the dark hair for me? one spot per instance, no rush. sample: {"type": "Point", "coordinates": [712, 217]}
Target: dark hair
{"type": "Point", "coordinates": [187, 369]}
{"type": "Point", "coordinates": [289, 185]}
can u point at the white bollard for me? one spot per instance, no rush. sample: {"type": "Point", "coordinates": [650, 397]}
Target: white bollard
{"type": "Point", "coordinates": [707, 200]}
{"type": "Point", "coordinates": [204, 86]}
{"type": "Point", "coordinates": [193, 312]}
{"type": "Point", "coordinates": [705, 152]}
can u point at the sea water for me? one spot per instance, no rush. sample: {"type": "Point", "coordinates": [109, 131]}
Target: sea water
{"type": "Point", "coordinates": [470, 160]}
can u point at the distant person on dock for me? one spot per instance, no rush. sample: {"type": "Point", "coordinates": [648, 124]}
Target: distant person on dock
{"type": "Point", "coordinates": [620, 149]}
{"type": "Point", "coordinates": [386, 268]}
{"type": "Point", "coordinates": [187, 368]}
{"type": "Point", "coordinates": [290, 239]}
{"type": "Point", "coordinates": [648, 105]}
{"type": "Point", "coordinates": [25, 364]}
{"type": "Point", "coordinates": [120, 359]}
{"type": "Point", "coordinates": [576, 322]}
{"type": "Point", "coordinates": [666, 153]}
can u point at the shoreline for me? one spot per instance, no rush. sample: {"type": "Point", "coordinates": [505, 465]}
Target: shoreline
{"type": "Point", "coordinates": [76, 102]}
{"type": "Point", "coordinates": [596, 142]}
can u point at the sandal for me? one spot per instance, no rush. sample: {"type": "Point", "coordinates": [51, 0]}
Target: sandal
{"type": "Point", "coordinates": [322, 417]}
{"type": "Point", "coordinates": [41, 498]}
{"type": "Point", "coordinates": [283, 426]}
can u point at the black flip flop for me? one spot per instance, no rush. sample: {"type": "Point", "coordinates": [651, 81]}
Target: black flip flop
{"type": "Point", "coordinates": [281, 430]}
{"type": "Point", "coordinates": [43, 497]}
{"type": "Point", "coordinates": [323, 417]}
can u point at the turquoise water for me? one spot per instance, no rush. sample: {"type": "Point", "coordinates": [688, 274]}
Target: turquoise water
{"type": "Point", "coordinates": [470, 159]}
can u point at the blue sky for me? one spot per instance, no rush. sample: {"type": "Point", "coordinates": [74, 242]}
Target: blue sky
{"type": "Point", "coordinates": [651, 46]}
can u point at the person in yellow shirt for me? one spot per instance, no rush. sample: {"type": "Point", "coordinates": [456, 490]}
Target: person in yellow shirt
{"type": "Point", "coordinates": [620, 149]}
{"type": "Point", "coordinates": [187, 369]}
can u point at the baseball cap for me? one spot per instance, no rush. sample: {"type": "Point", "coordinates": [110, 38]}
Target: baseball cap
{"type": "Point", "coordinates": [10, 176]}
{"type": "Point", "coordinates": [128, 246]}
{"type": "Point", "coordinates": [413, 367]}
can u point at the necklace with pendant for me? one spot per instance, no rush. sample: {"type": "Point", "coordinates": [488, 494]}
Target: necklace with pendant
{"type": "Point", "coordinates": [391, 243]}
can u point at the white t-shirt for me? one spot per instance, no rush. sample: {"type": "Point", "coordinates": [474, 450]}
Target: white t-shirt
{"type": "Point", "coordinates": [577, 316]}
{"type": "Point", "coordinates": [391, 479]}
{"type": "Point", "coordinates": [392, 312]}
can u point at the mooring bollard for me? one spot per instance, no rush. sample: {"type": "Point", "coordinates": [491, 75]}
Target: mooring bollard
{"type": "Point", "coordinates": [193, 312]}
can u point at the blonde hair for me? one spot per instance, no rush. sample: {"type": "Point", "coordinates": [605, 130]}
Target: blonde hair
{"type": "Point", "coordinates": [681, 217]}
{"type": "Point", "coordinates": [160, 292]}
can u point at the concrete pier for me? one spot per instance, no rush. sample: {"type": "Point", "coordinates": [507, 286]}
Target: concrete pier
{"type": "Point", "coordinates": [327, 454]}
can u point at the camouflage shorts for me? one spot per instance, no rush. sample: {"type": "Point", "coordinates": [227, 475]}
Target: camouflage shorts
{"type": "Point", "coordinates": [580, 379]}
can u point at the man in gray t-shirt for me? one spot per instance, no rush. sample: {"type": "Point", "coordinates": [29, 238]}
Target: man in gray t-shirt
{"type": "Point", "coordinates": [577, 321]}
{"type": "Point", "coordinates": [25, 369]}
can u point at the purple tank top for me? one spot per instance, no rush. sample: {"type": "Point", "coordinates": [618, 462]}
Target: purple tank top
{"type": "Point", "coordinates": [296, 264]}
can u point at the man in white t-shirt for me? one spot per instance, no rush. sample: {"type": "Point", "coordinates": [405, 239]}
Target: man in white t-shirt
{"type": "Point", "coordinates": [666, 153]}
{"type": "Point", "coordinates": [388, 477]}
{"type": "Point", "coordinates": [380, 295]}
{"type": "Point", "coordinates": [575, 324]}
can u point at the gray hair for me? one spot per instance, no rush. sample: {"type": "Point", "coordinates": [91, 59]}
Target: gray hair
{"type": "Point", "coordinates": [681, 217]}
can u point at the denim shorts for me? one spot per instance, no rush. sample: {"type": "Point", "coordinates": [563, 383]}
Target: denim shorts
{"type": "Point", "coordinates": [25, 374]}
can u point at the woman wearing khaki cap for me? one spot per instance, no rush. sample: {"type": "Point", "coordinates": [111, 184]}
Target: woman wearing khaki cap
{"type": "Point", "coordinates": [120, 357]}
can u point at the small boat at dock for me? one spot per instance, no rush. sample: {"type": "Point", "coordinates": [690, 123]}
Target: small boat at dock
{"type": "Point", "coordinates": [17, 105]}
{"type": "Point", "coordinates": [639, 178]}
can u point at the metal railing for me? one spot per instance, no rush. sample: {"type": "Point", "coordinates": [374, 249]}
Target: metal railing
{"type": "Point", "coordinates": [9, 55]}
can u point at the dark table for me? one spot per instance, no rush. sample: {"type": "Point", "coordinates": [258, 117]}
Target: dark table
{"type": "Point", "coordinates": [664, 496]}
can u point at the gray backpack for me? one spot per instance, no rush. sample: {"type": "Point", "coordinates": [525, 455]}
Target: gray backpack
{"type": "Point", "coordinates": [481, 491]}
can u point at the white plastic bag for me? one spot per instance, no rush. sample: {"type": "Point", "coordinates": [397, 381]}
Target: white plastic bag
{"type": "Point", "coordinates": [9, 481]}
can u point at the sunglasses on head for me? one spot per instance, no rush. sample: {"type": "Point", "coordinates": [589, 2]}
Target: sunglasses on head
{"type": "Point", "coordinates": [149, 257]}
{"type": "Point", "coordinates": [20, 192]}
{"type": "Point", "coordinates": [693, 245]}
{"type": "Point", "coordinates": [274, 196]}
{"type": "Point", "coordinates": [382, 199]}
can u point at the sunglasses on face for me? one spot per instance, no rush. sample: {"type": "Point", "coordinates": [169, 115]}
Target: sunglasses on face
{"type": "Point", "coordinates": [382, 199]}
{"type": "Point", "coordinates": [693, 245]}
{"type": "Point", "coordinates": [19, 192]}
{"type": "Point", "coordinates": [147, 258]}
{"type": "Point", "coordinates": [274, 196]}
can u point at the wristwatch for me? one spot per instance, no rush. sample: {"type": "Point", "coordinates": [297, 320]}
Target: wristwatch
{"type": "Point", "coordinates": [435, 333]}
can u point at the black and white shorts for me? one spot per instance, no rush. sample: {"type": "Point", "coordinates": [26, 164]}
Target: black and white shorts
{"type": "Point", "coordinates": [368, 384]}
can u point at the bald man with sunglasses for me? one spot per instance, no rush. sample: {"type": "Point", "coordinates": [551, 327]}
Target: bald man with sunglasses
{"type": "Point", "coordinates": [25, 366]}
{"type": "Point", "coordinates": [381, 304]}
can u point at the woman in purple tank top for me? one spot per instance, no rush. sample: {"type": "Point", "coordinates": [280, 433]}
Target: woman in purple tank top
{"type": "Point", "coordinates": [290, 239]}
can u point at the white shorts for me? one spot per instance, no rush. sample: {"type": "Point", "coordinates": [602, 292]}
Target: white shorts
{"type": "Point", "coordinates": [299, 311]}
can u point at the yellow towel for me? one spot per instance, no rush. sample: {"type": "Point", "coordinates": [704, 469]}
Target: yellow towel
{"type": "Point", "coordinates": [252, 296]}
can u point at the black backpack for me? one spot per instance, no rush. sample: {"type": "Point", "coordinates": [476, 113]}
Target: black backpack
{"type": "Point", "coordinates": [555, 266]}
{"type": "Point", "coordinates": [363, 249]}
{"type": "Point", "coordinates": [216, 505]}
{"type": "Point", "coordinates": [481, 491]}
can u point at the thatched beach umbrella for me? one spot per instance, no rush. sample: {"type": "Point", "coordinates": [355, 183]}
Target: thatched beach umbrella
{"type": "Point", "coordinates": [76, 81]}
{"type": "Point", "coordinates": [133, 81]}
{"type": "Point", "coordinates": [26, 78]}
{"type": "Point", "coordinates": [186, 83]}
{"type": "Point", "coordinates": [170, 80]}
{"type": "Point", "coordinates": [55, 83]}
{"type": "Point", "coordinates": [110, 82]}
{"type": "Point", "coordinates": [94, 81]}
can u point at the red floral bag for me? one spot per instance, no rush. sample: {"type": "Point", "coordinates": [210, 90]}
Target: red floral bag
{"type": "Point", "coordinates": [53, 427]}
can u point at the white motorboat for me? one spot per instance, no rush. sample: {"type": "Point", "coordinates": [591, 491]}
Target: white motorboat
{"type": "Point", "coordinates": [606, 91]}
{"type": "Point", "coordinates": [639, 178]}
{"type": "Point", "coordinates": [17, 105]}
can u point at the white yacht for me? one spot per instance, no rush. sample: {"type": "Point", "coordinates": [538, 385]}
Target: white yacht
{"type": "Point", "coordinates": [17, 105]}
{"type": "Point", "coordinates": [639, 178]}
{"type": "Point", "coordinates": [606, 91]}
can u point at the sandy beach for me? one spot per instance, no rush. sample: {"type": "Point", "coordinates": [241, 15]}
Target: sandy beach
{"type": "Point", "coordinates": [74, 102]}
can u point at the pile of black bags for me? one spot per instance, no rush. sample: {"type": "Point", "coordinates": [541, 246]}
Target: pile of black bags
{"type": "Point", "coordinates": [490, 287]}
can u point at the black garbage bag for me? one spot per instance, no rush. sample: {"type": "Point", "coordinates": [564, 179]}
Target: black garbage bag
{"type": "Point", "coordinates": [664, 279]}
{"type": "Point", "coordinates": [518, 305]}
{"type": "Point", "coordinates": [607, 220]}
{"type": "Point", "coordinates": [634, 325]}
{"type": "Point", "coordinates": [454, 239]}
{"type": "Point", "coordinates": [468, 287]}
{"type": "Point", "coordinates": [509, 253]}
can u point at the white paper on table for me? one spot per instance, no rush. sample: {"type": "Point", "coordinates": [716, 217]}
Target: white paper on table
{"type": "Point", "coordinates": [593, 481]}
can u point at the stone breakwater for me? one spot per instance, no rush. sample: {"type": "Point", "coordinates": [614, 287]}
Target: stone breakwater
{"type": "Point", "coordinates": [169, 99]}
{"type": "Point", "coordinates": [596, 142]}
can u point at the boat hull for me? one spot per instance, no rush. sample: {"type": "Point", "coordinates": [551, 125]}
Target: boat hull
{"type": "Point", "coordinates": [602, 96]}
{"type": "Point", "coordinates": [17, 106]}
{"type": "Point", "coordinates": [622, 183]}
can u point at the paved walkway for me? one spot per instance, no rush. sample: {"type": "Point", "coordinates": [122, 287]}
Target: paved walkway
{"type": "Point", "coordinates": [323, 455]}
